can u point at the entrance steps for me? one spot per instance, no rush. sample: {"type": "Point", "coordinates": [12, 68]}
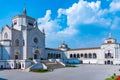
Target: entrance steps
{"type": "Point", "coordinates": [52, 64]}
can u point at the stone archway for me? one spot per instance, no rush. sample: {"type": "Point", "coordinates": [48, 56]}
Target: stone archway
{"type": "Point", "coordinates": [18, 65]}
{"type": "Point", "coordinates": [108, 62]}
{"type": "Point", "coordinates": [16, 56]}
{"type": "Point", "coordinates": [105, 62]}
{"type": "Point", "coordinates": [36, 54]}
{"type": "Point", "coordinates": [1, 67]}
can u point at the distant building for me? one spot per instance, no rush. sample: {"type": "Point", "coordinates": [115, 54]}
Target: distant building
{"type": "Point", "coordinates": [23, 41]}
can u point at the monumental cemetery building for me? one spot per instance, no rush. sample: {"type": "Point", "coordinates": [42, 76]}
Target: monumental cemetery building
{"type": "Point", "coordinates": [23, 45]}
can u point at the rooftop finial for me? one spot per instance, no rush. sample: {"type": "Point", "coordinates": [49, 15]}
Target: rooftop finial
{"type": "Point", "coordinates": [43, 31]}
{"type": "Point", "coordinates": [24, 11]}
{"type": "Point", "coordinates": [110, 35]}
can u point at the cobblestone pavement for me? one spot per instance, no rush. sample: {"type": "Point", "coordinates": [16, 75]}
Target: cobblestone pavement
{"type": "Point", "coordinates": [83, 72]}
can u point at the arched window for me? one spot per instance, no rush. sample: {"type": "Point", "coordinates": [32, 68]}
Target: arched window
{"type": "Point", "coordinates": [6, 35]}
{"type": "Point", "coordinates": [16, 42]}
{"type": "Point", "coordinates": [71, 56]}
{"type": "Point", "coordinates": [81, 55]}
{"type": "Point", "coordinates": [90, 55]}
{"type": "Point", "coordinates": [15, 22]}
{"type": "Point", "coordinates": [75, 56]}
{"type": "Point", "coordinates": [94, 55]}
{"type": "Point", "coordinates": [109, 55]}
{"type": "Point", "coordinates": [59, 55]}
{"type": "Point", "coordinates": [78, 56]}
{"type": "Point", "coordinates": [105, 55]}
{"type": "Point", "coordinates": [85, 55]}
{"type": "Point", "coordinates": [49, 55]}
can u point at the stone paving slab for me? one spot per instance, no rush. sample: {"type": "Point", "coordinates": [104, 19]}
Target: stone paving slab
{"type": "Point", "coordinates": [83, 72]}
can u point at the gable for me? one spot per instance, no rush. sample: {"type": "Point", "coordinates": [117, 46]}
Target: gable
{"type": "Point", "coordinates": [6, 33]}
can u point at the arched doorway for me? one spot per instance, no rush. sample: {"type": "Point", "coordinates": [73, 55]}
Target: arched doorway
{"type": "Point", "coordinates": [18, 65]}
{"type": "Point", "coordinates": [94, 55]}
{"type": "Point", "coordinates": [1, 67]}
{"type": "Point", "coordinates": [108, 62]}
{"type": "Point", "coordinates": [36, 54]}
{"type": "Point", "coordinates": [49, 56]}
{"type": "Point", "coordinates": [81, 55]}
{"type": "Point", "coordinates": [85, 55]}
{"type": "Point", "coordinates": [90, 55]}
{"type": "Point", "coordinates": [105, 62]}
{"type": "Point", "coordinates": [78, 56]}
{"type": "Point", "coordinates": [75, 56]}
{"type": "Point", "coordinates": [16, 56]}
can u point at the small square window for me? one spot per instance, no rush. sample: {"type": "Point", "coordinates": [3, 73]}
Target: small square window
{"type": "Point", "coordinates": [14, 23]}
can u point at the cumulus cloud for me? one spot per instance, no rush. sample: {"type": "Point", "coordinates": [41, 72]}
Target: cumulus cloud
{"type": "Point", "coordinates": [51, 26]}
{"type": "Point", "coordinates": [115, 6]}
{"type": "Point", "coordinates": [83, 12]}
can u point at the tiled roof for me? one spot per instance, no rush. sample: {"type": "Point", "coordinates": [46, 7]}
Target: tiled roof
{"type": "Point", "coordinates": [17, 16]}
{"type": "Point", "coordinates": [52, 49]}
{"type": "Point", "coordinates": [84, 48]}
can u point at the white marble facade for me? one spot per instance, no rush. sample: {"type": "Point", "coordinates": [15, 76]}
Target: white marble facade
{"type": "Point", "coordinates": [23, 41]}
{"type": "Point", "coordinates": [20, 42]}
{"type": "Point", "coordinates": [107, 53]}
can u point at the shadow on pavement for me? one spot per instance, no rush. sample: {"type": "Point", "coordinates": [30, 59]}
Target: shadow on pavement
{"type": "Point", "coordinates": [3, 79]}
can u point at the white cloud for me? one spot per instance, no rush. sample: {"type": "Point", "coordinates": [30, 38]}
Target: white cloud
{"type": "Point", "coordinates": [46, 18]}
{"type": "Point", "coordinates": [115, 6]}
{"type": "Point", "coordinates": [82, 12]}
{"type": "Point", "coordinates": [50, 26]}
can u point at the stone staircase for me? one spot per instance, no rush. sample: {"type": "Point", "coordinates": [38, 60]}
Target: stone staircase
{"type": "Point", "coordinates": [36, 64]}
{"type": "Point", "coordinates": [52, 64]}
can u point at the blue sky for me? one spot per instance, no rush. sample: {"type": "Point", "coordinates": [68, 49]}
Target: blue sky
{"type": "Point", "coordinates": [80, 23]}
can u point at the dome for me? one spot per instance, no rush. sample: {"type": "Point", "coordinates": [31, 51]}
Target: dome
{"type": "Point", "coordinates": [22, 21]}
{"type": "Point", "coordinates": [110, 40]}
{"type": "Point", "coordinates": [63, 46]}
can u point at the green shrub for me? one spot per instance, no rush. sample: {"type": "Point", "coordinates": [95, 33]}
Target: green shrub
{"type": "Point", "coordinates": [41, 70]}
{"type": "Point", "coordinates": [109, 79]}
{"type": "Point", "coordinates": [112, 77]}
{"type": "Point", "coordinates": [30, 58]}
{"type": "Point", "coordinates": [71, 66]}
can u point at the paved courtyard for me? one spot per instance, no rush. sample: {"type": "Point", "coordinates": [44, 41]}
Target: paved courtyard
{"type": "Point", "coordinates": [83, 72]}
